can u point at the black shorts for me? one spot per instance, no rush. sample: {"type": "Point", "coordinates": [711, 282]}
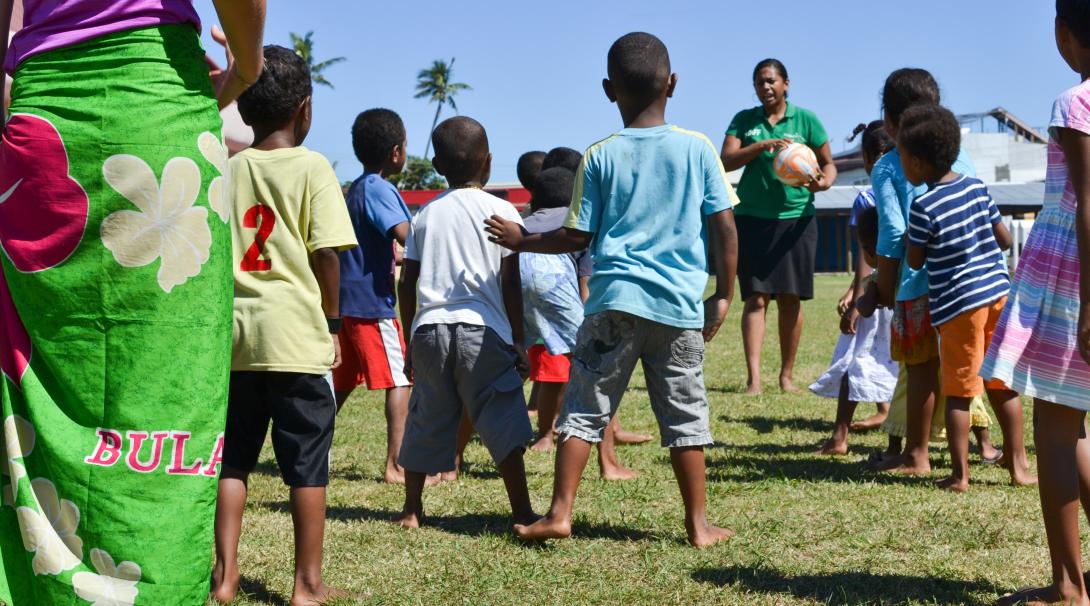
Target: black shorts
{"type": "Point", "coordinates": [302, 410]}
{"type": "Point", "coordinates": [777, 256]}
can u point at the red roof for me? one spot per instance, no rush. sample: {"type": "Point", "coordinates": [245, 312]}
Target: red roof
{"type": "Point", "coordinates": [416, 198]}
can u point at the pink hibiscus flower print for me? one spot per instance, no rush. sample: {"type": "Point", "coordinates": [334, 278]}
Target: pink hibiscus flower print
{"type": "Point", "coordinates": [43, 210]}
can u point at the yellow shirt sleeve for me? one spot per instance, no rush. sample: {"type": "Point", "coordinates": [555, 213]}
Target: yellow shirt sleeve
{"type": "Point", "coordinates": [330, 225]}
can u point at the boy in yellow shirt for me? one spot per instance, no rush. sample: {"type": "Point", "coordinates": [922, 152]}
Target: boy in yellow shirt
{"type": "Point", "coordinates": [288, 215]}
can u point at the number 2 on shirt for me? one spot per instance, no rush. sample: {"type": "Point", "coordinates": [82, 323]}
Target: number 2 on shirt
{"type": "Point", "coordinates": [261, 217]}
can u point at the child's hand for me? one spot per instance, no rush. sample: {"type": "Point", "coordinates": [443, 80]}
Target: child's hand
{"type": "Point", "coordinates": [522, 365]}
{"type": "Point", "coordinates": [507, 234]}
{"type": "Point", "coordinates": [866, 304]}
{"type": "Point", "coordinates": [1084, 331]}
{"type": "Point", "coordinates": [848, 321]}
{"type": "Point", "coordinates": [715, 311]}
{"type": "Point", "coordinates": [336, 350]}
{"type": "Point", "coordinates": [817, 183]}
{"type": "Point", "coordinates": [845, 303]}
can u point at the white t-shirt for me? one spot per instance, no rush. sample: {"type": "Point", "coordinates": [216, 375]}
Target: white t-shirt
{"type": "Point", "coordinates": [459, 267]}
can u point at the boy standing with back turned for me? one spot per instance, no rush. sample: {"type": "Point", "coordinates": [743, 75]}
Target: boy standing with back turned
{"type": "Point", "coordinates": [650, 201]}
{"type": "Point", "coordinates": [288, 223]}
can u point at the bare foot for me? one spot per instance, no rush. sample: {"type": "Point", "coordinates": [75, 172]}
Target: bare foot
{"type": "Point", "coordinates": [990, 454]}
{"type": "Point", "coordinates": [903, 464]}
{"type": "Point", "coordinates": [317, 596]}
{"type": "Point", "coordinates": [224, 584]}
{"type": "Point", "coordinates": [409, 520]}
{"type": "Point", "coordinates": [1023, 478]}
{"type": "Point", "coordinates": [787, 385]}
{"type": "Point", "coordinates": [618, 473]}
{"type": "Point", "coordinates": [545, 444]}
{"type": "Point", "coordinates": [833, 447]}
{"type": "Point", "coordinates": [449, 476]}
{"type": "Point", "coordinates": [1041, 596]}
{"type": "Point", "coordinates": [753, 389]}
{"type": "Point", "coordinates": [872, 422]}
{"type": "Point", "coordinates": [528, 519]}
{"type": "Point", "coordinates": [707, 535]}
{"type": "Point", "coordinates": [629, 437]}
{"type": "Point", "coordinates": [545, 528]}
{"type": "Point", "coordinates": [393, 475]}
{"type": "Point", "coordinates": [953, 484]}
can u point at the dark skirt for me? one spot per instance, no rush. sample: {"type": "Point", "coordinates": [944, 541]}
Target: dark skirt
{"type": "Point", "coordinates": [776, 256]}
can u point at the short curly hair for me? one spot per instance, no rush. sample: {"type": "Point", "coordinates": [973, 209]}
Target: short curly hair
{"type": "Point", "coordinates": [564, 157]}
{"type": "Point", "coordinates": [553, 188]}
{"type": "Point", "coordinates": [931, 133]}
{"type": "Point", "coordinates": [374, 135]}
{"type": "Point", "coordinates": [906, 87]}
{"type": "Point", "coordinates": [284, 84]}
{"type": "Point", "coordinates": [1076, 15]}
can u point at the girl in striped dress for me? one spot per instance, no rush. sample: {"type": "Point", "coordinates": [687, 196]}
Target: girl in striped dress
{"type": "Point", "coordinates": [1040, 347]}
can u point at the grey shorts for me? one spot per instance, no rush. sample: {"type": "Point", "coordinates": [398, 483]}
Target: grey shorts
{"type": "Point", "coordinates": [609, 345]}
{"type": "Point", "coordinates": [456, 365]}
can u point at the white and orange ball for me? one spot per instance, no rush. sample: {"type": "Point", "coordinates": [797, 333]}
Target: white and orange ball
{"type": "Point", "coordinates": [796, 165]}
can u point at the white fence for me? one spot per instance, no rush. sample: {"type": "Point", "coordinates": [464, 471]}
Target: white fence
{"type": "Point", "coordinates": [1019, 229]}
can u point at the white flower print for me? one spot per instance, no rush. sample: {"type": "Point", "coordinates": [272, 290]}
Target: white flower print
{"type": "Point", "coordinates": [19, 440]}
{"type": "Point", "coordinates": [167, 227]}
{"type": "Point", "coordinates": [112, 586]}
{"type": "Point", "coordinates": [213, 150]}
{"type": "Point", "coordinates": [50, 532]}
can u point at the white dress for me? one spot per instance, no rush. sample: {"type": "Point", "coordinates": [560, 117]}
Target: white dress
{"type": "Point", "coordinates": [864, 357]}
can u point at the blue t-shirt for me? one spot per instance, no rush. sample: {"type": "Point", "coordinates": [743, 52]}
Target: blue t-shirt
{"type": "Point", "coordinates": [863, 201]}
{"type": "Point", "coordinates": [966, 269]}
{"type": "Point", "coordinates": [893, 195]}
{"type": "Point", "coordinates": [644, 193]}
{"type": "Point", "coordinates": [367, 272]}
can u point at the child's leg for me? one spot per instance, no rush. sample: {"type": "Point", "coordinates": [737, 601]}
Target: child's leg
{"type": "Point", "coordinates": [549, 398]}
{"type": "Point", "coordinates": [922, 387]}
{"type": "Point", "coordinates": [957, 438]}
{"type": "Point", "coordinates": [753, 336]}
{"type": "Point", "coordinates": [465, 432]}
{"type": "Point", "coordinates": [875, 420]}
{"type": "Point", "coordinates": [571, 459]}
{"type": "Point", "coordinates": [845, 409]}
{"type": "Point", "coordinates": [397, 409]}
{"type": "Point", "coordinates": [688, 464]}
{"type": "Point", "coordinates": [983, 435]}
{"type": "Point", "coordinates": [621, 436]}
{"type": "Point", "coordinates": [308, 519]}
{"type": "Point", "coordinates": [230, 503]}
{"type": "Point", "coordinates": [513, 472]}
{"type": "Point", "coordinates": [610, 465]}
{"type": "Point", "coordinates": [1057, 431]}
{"type": "Point", "coordinates": [789, 308]}
{"type": "Point", "coordinates": [412, 512]}
{"type": "Point", "coordinates": [1008, 407]}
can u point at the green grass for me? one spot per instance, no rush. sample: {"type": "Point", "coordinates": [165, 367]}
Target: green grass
{"type": "Point", "coordinates": [811, 530]}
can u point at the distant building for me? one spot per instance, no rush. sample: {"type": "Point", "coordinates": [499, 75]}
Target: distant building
{"type": "Point", "coordinates": [1004, 149]}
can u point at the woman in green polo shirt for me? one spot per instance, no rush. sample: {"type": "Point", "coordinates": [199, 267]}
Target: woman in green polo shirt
{"type": "Point", "coordinates": [777, 232]}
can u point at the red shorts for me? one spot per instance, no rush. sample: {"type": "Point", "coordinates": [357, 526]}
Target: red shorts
{"type": "Point", "coordinates": [372, 351]}
{"type": "Point", "coordinates": [547, 368]}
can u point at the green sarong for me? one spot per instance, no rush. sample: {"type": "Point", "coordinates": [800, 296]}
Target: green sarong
{"type": "Point", "coordinates": [115, 323]}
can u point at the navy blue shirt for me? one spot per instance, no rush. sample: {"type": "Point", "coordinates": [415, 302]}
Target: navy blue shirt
{"type": "Point", "coordinates": [367, 272]}
{"type": "Point", "coordinates": [966, 269]}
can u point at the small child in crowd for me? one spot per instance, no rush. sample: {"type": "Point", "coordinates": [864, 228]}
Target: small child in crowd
{"type": "Point", "coordinates": [650, 240]}
{"type": "Point", "coordinates": [1041, 347]}
{"type": "Point", "coordinates": [288, 217]}
{"type": "Point", "coordinates": [562, 157]}
{"type": "Point", "coordinates": [554, 312]}
{"type": "Point", "coordinates": [862, 369]}
{"type": "Point", "coordinates": [372, 347]}
{"type": "Point", "coordinates": [956, 229]}
{"type": "Point", "coordinates": [461, 301]}
{"type": "Point", "coordinates": [528, 168]}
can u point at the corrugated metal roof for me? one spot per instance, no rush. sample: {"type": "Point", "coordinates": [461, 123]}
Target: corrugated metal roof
{"type": "Point", "coordinates": [841, 197]}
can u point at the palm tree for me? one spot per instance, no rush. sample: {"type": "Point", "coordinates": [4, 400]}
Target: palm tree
{"type": "Point", "coordinates": [434, 84]}
{"type": "Point", "coordinates": [304, 47]}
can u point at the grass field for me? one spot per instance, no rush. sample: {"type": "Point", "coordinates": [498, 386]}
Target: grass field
{"type": "Point", "coordinates": [811, 530]}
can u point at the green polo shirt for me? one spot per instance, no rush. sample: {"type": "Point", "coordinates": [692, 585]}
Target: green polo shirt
{"type": "Point", "coordinates": [761, 193]}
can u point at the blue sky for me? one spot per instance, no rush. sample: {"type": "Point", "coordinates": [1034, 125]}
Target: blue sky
{"type": "Point", "coordinates": [536, 67]}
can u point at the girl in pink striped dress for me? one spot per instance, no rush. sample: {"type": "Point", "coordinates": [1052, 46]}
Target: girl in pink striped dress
{"type": "Point", "coordinates": [1040, 347]}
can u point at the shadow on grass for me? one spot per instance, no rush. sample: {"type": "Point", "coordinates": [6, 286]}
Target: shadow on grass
{"type": "Point", "coordinates": [470, 524]}
{"type": "Point", "coordinates": [258, 591]}
{"type": "Point", "coordinates": [742, 468]}
{"type": "Point", "coordinates": [849, 588]}
{"type": "Point", "coordinates": [770, 424]}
